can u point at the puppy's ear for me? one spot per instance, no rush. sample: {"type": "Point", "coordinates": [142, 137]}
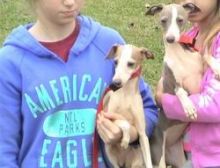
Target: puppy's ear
{"type": "Point", "coordinates": [154, 10]}
{"type": "Point", "coordinates": [111, 53]}
{"type": "Point", "coordinates": [146, 53]}
{"type": "Point", "coordinates": [190, 7]}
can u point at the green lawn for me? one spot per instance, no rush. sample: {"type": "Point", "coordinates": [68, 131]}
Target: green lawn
{"type": "Point", "coordinates": [126, 16]}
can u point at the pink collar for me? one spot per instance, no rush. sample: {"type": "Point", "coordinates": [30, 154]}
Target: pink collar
{"type": "Point", "coordinates": [136, 73]}
{"type": "Point", "coordinates": [188, 40]}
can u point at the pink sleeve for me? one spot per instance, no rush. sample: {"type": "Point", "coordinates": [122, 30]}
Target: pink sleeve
{"type": "Point", "coordinates": [207, 102]}
{"type": "Point", "coordinates": [209, 113]}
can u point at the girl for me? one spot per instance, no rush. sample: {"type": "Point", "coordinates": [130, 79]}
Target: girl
{"type": "Point", "coordinates": [204, 132]}
{"type": "Point", "coordinates": [53, 73]}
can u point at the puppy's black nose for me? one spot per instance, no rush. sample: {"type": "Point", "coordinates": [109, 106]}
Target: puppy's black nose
{"type": "Point", "coordinates": [170, 39]}
{"type": "Point", "coordinates": [116, 84]}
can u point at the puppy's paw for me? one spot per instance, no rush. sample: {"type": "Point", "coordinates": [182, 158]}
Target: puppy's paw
{"type": "Point", "coordinates": [125, 127]}
{"type": "Point", "coordinates": [190, 110]}
{"type": "Point", "coordinates": [125, 143]}
{"type": "Point", "coordinates": [187, 104]}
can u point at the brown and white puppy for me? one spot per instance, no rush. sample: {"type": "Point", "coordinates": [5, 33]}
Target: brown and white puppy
{"type": "Point", "coordinates": [127, 101]}
{"type": "Point", "coordinates": [182, 72]}
{"type": "Point", "coordinates": [173, 18]}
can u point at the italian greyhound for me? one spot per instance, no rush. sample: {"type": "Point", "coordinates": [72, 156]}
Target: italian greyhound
{"type": "Point", "coordinates": [127, 101]}
{"type": "Point", "coordinates": [182, 72]}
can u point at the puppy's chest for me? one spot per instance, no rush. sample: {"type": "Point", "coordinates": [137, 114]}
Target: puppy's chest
{"type": "Point", "coordinates": [124, 104]}
{"type": "Point", "coordinates": [182, 62]}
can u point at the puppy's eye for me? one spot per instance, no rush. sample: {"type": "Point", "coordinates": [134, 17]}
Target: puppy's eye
{"type": "Point", "coordinates": [163, 20]}
{"type": "Point", "coordinates": [131, 64]}
{"type": "Point", "coordinates": [116, 62]}
{"type": "Point", "coordinates": [180, 21]}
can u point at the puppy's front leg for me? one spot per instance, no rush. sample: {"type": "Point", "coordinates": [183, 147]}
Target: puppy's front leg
{"type": "Point", "coordinates": [140, 125]}
{"type": "Point", "coordinates": [187, 104]}
{"type": "Point", "coordinates": [125, 127]}
{"type": "Point", "coordinates": [159, 92]}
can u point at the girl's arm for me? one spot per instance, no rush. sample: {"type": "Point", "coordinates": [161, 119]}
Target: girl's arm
{"type": "Point", "coordinates": [208, 108]}
{"type": "Point", "coordinates": [10, 115]}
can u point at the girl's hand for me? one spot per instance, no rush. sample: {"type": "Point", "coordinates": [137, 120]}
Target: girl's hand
{"type": "Point", "coordinates": [109, 131]}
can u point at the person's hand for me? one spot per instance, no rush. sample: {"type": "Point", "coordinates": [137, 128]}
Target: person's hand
{"type": "Point", "coordinates": [109, 131]}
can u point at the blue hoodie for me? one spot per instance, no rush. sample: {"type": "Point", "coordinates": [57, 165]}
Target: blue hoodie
{"type": "Point", "coordinates": [48, 106]}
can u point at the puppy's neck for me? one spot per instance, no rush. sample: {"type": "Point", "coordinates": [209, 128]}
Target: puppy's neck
{"type": "Point", "coordinates": [173, 51]}
{"type": "Point", "coordinates": [172, 47]}
{"type": "Point", "coordinates": [131, 86]}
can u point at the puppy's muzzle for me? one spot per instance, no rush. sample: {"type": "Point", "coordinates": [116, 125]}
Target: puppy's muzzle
{"type": "Point", "coordinates": [115, 85]}
{"type": "Point", "coordinates": [170, 39]}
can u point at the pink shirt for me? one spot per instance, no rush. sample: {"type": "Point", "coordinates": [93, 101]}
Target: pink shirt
{"type": "Point", "coordinates": [205, 131]}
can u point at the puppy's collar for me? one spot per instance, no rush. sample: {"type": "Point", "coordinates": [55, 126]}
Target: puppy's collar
{"type": "Point", "coordinates": [186, 39]}
{"type": "Point", "coordinates": [136, 73]}
{"type": "Point", "coordinates": [188, 42]}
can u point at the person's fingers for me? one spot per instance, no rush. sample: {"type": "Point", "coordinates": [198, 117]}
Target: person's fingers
{"type": "Point", "coordinates": [108, 130]}
{"type": "Point", "coordinates": [101, 126]}
{"type": "Point", "coordinates": [102, 134]}
{"type": "Point", "coordinates": [106, 134]}
{"type": "Point", "coordinates": [105, 120]}
{"type": "Point", "coordinates": [112, 127]}
{"type": "Point", "coordinates": [113, 116]}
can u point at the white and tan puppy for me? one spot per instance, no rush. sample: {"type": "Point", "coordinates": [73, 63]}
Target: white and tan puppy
{"type": "Point", "coordinates": [127, 101]}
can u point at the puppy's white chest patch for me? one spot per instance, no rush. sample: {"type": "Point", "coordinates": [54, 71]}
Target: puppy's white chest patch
{"type": "Point", "coordinates": [173, 64]}
{"type": "Point", "coordinates": [168, 61]}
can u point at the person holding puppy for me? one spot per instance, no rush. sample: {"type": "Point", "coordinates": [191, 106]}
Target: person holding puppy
{"type": "Point", "coordinates": [204, 131]}
{"type": "Point", "coordinates": [53, 73]}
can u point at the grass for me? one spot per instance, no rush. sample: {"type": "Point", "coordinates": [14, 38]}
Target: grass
{"type": "Point", "coordinates": [126, 16]}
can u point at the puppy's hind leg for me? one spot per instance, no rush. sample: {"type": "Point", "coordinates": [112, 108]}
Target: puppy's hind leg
{"type": "Point", "coordinates": [112, 157]}
{"type": "Point", "coordinates": [162, 163]}
{"type": "Point", "coordinates": [134, 158]}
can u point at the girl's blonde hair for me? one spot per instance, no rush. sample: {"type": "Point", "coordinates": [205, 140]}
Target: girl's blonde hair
{"type": "Point", "coordinates": [214, 29]}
